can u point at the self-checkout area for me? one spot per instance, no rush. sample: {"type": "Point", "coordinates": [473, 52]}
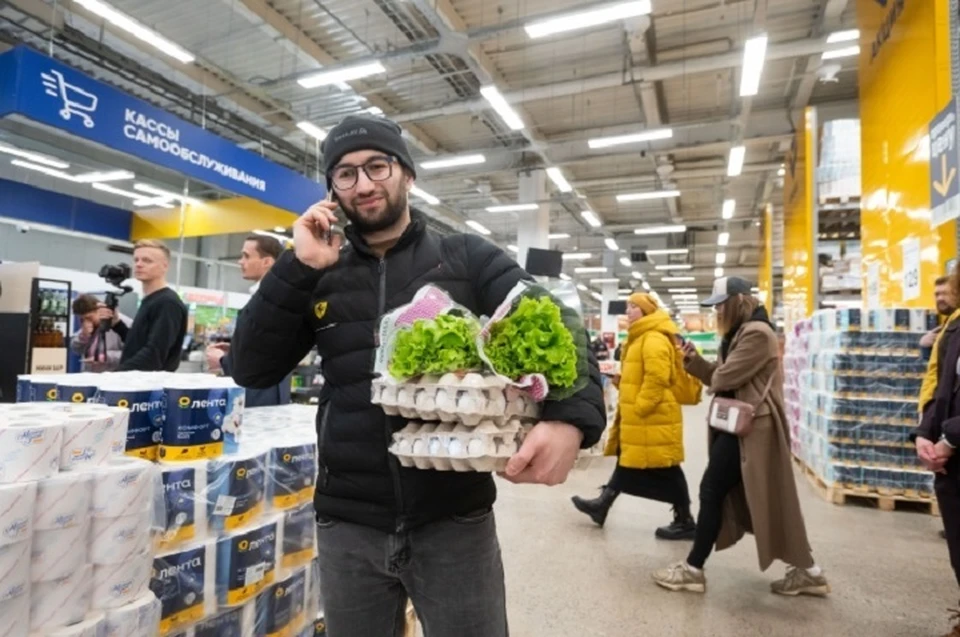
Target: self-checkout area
{"type": "Point", "coordinates": [80, 157]}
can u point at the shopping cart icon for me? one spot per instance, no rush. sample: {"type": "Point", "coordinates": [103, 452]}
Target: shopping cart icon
{"type": "Point", "coordinates": [76, 101]}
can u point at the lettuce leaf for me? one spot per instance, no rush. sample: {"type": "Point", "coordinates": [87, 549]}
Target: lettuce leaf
{"type": "Point", "coordinates": [436, 346]}
{"type": "Point", "coordinates": [533, 339]}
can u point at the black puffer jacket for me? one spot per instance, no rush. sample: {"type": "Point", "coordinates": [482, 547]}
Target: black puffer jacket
{"type": "Point", "coordinates": [338, 310]}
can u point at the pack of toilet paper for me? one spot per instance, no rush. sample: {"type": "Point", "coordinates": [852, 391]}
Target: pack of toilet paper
{"type": "Point", "coordinates": [174, 417]}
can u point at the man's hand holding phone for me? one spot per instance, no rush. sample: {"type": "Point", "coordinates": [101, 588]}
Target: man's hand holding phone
{"type": "Point", "coordinates": [314, 242]}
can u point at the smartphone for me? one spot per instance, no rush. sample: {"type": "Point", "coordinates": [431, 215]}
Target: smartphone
{"type": "Point", "coordinates": [328, 236]}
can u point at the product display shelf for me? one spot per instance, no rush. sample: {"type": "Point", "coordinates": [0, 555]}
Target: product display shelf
{"type": "Point", "coordinates": [851, 398]}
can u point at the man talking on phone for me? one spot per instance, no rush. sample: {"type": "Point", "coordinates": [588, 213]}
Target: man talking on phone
{"type": "Point", "coordinates": [388, 533]}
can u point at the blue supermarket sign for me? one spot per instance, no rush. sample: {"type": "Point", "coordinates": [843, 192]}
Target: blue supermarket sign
{"type": "Point", "coordinates": [41, 89]}
{"type": "Point", "coordinates": [944, 181]}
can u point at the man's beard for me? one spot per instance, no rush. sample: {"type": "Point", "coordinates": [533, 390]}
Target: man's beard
{"type": "Point", "coordinates": [395, 207]}
{"type": "Point", "coordinates": [944, 309]}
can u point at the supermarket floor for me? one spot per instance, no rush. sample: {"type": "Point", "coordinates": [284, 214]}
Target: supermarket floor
{"type": "Point", "coordinates": [566, 578]}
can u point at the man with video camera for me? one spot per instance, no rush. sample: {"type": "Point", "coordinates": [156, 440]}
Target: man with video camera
{"type": "Point", "coordinates": [154, 341]}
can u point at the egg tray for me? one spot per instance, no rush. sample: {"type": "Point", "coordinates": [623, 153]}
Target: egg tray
{"type": "Point", "coordinates": [458, 447]}
{"type": "Point", "coordinates": [469, 400]}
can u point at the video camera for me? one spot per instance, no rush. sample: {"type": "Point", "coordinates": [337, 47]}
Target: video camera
{"type": "Point", "coordinates": [115, 275]}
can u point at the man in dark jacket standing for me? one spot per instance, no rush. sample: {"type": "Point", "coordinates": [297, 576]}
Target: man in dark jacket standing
{"type": "Point", "coordinates": [388, 533]}
{"type": "Point", "coordinates": [257, 256]}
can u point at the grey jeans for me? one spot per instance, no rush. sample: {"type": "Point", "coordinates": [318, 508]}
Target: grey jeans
{"type": "Point", "coordinates": [451, 570]}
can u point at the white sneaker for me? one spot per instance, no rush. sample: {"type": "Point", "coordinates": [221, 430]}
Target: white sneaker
{"type": "Point", "coordinates": [680, 577]}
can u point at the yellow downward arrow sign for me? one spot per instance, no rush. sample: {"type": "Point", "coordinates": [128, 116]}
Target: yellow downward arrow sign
{"type": "Point", "coordinates": [943, 187]}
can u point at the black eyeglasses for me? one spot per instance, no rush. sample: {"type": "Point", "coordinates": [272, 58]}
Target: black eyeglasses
{"type": "Point", "coordinates": [345, 176]}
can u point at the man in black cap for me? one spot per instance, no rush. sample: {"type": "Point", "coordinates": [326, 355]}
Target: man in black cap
{"type": "Point", "coordinates": [388, 533]}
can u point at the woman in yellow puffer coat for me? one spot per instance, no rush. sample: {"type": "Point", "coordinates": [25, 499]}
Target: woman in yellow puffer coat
{"type": "Point", "coordinates": [647, 437]}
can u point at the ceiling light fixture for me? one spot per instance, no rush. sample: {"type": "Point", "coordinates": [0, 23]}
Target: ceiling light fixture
{"type": "Point", "coordinates": [682, 290]}
{"type": "Point", "coordinates": [660, 230]}
{"type": "Point", "coordinates": [723, 239]}
{"type": "Point", "coordinates": [565, 276]}
{"type": "Point", "coordinates": [626, 262]}
{"type": "Point", "coordinates": [668, 251]}
{"type": "Point", "coordinates": [637, 275]}
{"type": "Point", "coordinates": [426, 196]}
{"type": "Point", "coordinates": [37, 158]}
{"type": "Point", "coordinates": [721, 258]}
{"type": "Point", "coordinates": [596, 295]}
{"type": "Point", "coordinates": [119, 191]}
{"type": "Point", "coordinates": [754, 52]}
{"type": "Point", "coordinates": [845, 52]}
{"type": "Point", "coordinates": [718, 273]}
{"type": "Point", "coordinates": [137, 30]}
{"type": "Point", "coordinates": [582, 287]}
{"type": "Point", "coordinates": [558, 235]}
{"type": "Point", "coordinates": [104, 175]}
{"type": "Point", "coordinates": [587, 19]}
{"type": "Point", "coordinates": [643, 196]}
{"type": "Point", "coordinates": [46, 170]}
{"type": "Point", "coordinates": [576, 256]}
{"type": "Point", "coordinates": [735, 162]}
{"type": "Point", "coordinates": [678, 279]}
{"type": "Point", "coordinates": [591, 218]}
{"type": "Point", "coordinates": [163, 194]}
{"type": "Point", "coordinates": [346, 74]}
{"type": "Point", "coordinates": [375, 110]}
{"type": "Point", "coordinates": [478, 227]}
{"type": "Point", "coordinates": [513, 248]}
{"type": "Point", "coordinates": [590, 270]}
{"type": "Point", "coordinates": [729, 208]}
{"type": "Point", "coordinates": [689, 311]}
{"type": "Point", "coordinates": [646, 286]}
{"type": "Point", "coordinates": [684, 297]}
{"type": "Point", "coordinates": [848, 35]}
{"type": "Point", "coordinates": [675, 266]}
{"type": "Point", "coordinates": [452, 162]}
{"type": "Point", "coordinates": [514, 207]}
{"type": "Point", "coordinates": [781, 171]}
{"type": "Point", "coordinates": [611, 244]}
{"type": "Point", "coordinates": [556, 176]}
{"type": "Point", "coordinates": [633, 138]}
{"type": "Point", "coordinates": [313, 130]}
{"type": "Point", "coordinates": [605, 280]}
{"type": "Point", "coordinates": [503, 109]}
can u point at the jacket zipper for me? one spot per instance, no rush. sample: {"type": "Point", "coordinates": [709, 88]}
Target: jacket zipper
{"type": "Point", "coordinates": [321, 445]}
{"type": "Point", "coordinates": [391, 462]}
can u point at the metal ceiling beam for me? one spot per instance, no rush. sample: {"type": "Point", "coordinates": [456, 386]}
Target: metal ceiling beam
{"type": "Point", "coordinates": [293, 33]}
{"type": "Point", "coordinates": [691, 66]}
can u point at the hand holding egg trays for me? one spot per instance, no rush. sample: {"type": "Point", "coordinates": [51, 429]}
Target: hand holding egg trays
{"type": "Point", "coordinates": [483, 386]}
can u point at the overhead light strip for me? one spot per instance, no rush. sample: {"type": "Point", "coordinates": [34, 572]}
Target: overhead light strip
{"type": "Point", "coordinates": [338, 76]}
{"type": "Point", "coordinates": [754, 54]}
{"type": "Point", "coordinates": [556, 176]}
{"type": "Point", "coordinates": [654, 230]}
{"type": "Point", "coordinates": [478, 227]}
{"type": "Point", "coordinates": [643, 196]}
{"type": "Point", "coordinates": [675, 266]}
{"type": "Point", "coordinates": [632, 138]}
{"type": "Point", "coordinates": [313, 130]}
{"type": "Point", "coordinates": [668, 251]}
{"type": "Point", "coordinates": [576, 256]}
{"type": "Point", "coordinates": [426, 196]}
{"type": "Point", "coordinates": [37, 158]}
{"type": "Point", "coordinates": [848, 35]}
{"type": "Point", "coordinates": [591, 218]}
{"type": "Point", "coordinates": [452, 162]}
{"type": "Point", "coordinates": [587, 19]}
{"type": "Point", "coordinates": [518, 207]}
{"type": "Point", "coordinates": [723, 239]}
{"type": "Point", "coordinates": [729, 208]}
{"type": "Point", "coordinates": [611, 244]}
{"type": "Point", "coordinates": [125, 23]}
{"type": "Point", "coordinates": [104, 175]}
{"type": "Point", "coordinates": [509, 116]}
{"type": "Point", "coordinates": [590, 270]}
{"type": "Point", "coordinates": [845, 52]}
{"type": "Point", "coordinates": [735, 162]}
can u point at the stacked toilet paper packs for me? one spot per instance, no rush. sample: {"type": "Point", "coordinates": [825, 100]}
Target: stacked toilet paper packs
{"type": "Point", "coordinates": [75, 520]}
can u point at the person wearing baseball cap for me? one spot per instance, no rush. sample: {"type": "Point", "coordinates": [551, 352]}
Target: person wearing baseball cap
{"type": "Point", "coordinates": [386, 533]}
{"type": "Point", "coordinates": [748, 486]}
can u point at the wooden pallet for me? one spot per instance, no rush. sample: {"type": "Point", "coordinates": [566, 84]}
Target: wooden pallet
{"type": "Point", "coordinates": [885, 501]}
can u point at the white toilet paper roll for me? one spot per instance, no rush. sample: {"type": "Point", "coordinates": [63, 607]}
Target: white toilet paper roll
{"type": "Point", "coordinates": [185, 502]}
{"type": "Point", "coordinates": [114, 540]}
{"type": "Point", "coordinates": [56, 553]}
{"type": "Point", "coordinates": [30, 448]}
{"type": "Point", "coordinates": [61, 602]}
{"type": "Point", "coordinates": [14, 570]}
{"type": "Point", "coordinates": [117, 584]}
{"type": "Point", "coordinates": [16, 617]}
{"type": "Point", "coordinates": [87, 440]}
{"type": "Point", "coordinates": [140, 618]}
{"type": "Point", "coordinates": [121, 423]}
{"type": "Point", "coordinates": [122, 487]}
{"type": "Point", "coordinates": [17, 505]}
{"type": "Point", "coordinates": [63, 500]}
{"type": "Point", "coordinates": [93, 625]}
{"type": "Point", "coordinates": [185, 582]}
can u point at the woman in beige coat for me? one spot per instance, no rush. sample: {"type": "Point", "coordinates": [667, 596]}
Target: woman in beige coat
{"type": "Point", "coordinates": [748, 486]}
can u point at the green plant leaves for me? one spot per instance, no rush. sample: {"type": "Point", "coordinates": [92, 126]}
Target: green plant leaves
{"type": "Point", "coordinates": [437, 346]}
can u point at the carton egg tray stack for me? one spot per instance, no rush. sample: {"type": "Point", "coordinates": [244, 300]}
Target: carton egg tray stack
{"type": "Point", "coordinates": [468, 423]}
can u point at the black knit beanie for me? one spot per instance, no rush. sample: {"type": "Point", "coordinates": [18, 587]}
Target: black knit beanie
{"type": "Point", "coordinates": [365, 132]}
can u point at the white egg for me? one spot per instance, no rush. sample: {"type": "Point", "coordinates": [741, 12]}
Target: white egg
{"type": "Point", "coordinates": [455, 447]}
{"type": "Point", "coordinates": [434, 447]}
{"type": "Point", "coordinates": [476, 447]}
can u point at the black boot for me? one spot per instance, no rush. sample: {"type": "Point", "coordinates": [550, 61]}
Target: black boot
{"type": "Point", "coordinates": [682, 528]}
{"type": "Point", "coordinates": [598, 508]}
